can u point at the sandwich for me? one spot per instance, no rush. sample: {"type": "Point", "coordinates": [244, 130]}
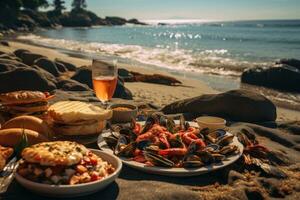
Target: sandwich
{"type": "Point", "coordinates": [75, 118]}
{"type": "Point", "coordinates": [25, 102]}
{"type": "Point", "coordinates": [62, 163]}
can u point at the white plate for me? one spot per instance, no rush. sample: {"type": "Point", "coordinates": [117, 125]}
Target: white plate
{"type": "Point", "coordinates": [179, 172]}
{"type": "Point", "coordinates": [63, 191]}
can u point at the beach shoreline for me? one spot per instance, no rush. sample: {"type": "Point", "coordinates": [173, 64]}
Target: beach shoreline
{"type": "Point", "coordinates": [153, 93]}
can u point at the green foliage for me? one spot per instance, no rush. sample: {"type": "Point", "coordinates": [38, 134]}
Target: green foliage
{"type": "Point", "coordinates": [78, 4]}
{"type": "Point", "coordinates": [9, 10]}
{"type": "Point", "coordinates": [58, 6]}
{"type": "Point", "coordinates": [35, 4]}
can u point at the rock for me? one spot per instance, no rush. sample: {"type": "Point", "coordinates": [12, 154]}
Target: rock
{"type": "Point", "coordinates": [28, 58]}
{"type": "Point", "coordinates": [236, 105]}
{"type": "Point", "coordinates": [4, 43]}
{"type": "Point", "coordinates": [15, 63]}
{"type": "Point", "coordinates": [69, 66]}
{"type": "Point", "coordinates": [74, 19]}
{"type": "Point", "coordinates": [124, 74]}
{"type": "Point", "coordinates": [10, 57]}
{"type": "Point", "coordinates": [115, 20]}
{"type": "Point", "coordinates": [156, 78]}
{"type": "Point", "coordinates": [45, 74]}
{"type": "Point", "coordinates": [72, 85]}
{"type": "Point", "coordinates": [19, 52]}
{"type": "Point", "coordinates": [61, 67]}
{"type": "Point", "coordinates": [38, 17]}
{"type": "Point", "coordinates": [24, 79]}
{"type": "Point", "coordinates": [283, 77]}
{"type": "Point", "coordinates": [121, 91]}
{"type": "Point", "coordinates": [83, 75]}
{"type": "Point", "coordinates": [290, 61]}
{"type": "Point", "coordinates": [25, 20]}
{"type": "Point", "coordinates": [47, 65]}
{"type": "Point", "coordinates": [135, 21]}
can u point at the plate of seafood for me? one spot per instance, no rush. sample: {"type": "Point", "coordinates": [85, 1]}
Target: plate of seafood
{"type": "Point", "coordinates": [164, 146]}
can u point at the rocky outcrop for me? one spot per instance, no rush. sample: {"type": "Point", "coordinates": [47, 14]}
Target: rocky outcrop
{"type": "Point", "coordinates": [28, 58]}
{"type": "Point", "coordinates": [290, 61]}
{"type": "Point", "coordinates": [71, 85]}
{"type": "Point", "coordinates": [47, 65]}
{"type": "Point", "coordinates": [130, 76]}
{"type": "Point", "coordinates": [236, 105]}
{"type": "Point", "coordinates": [24, 79]}
{"type": "Point", "coordinates": [68, 66]}
{"type": "Point", "coordinates": [282, 77]}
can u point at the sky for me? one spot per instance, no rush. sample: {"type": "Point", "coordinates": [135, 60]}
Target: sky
{"type": "Point", "coordinates": [196, 9]}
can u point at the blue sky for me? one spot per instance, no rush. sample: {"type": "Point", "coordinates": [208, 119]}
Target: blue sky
{"type": "Point", "coordinates": [197, 9]}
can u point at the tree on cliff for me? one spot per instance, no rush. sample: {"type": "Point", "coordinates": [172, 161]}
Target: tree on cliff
{"type": "Point", "coordinates": [78, 5]}
{"type": "Point", "coordinates": [9, 10]}
{"type": "Point", "coordinates": [35, 4]}
{"type": "Point", "coordinates": [58, 6]}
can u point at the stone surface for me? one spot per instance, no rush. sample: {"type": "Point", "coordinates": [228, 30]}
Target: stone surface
{"type": "Point", "coordinates": [28, 58]}
{"type": "Point", "coordinates": [237, 105]}
{"type": "Point", "coordinates": [61, 67]}
{"type": "Point", "coordinates": [283, 77]}
{"type": "Point", "coordinates": [47, 65]}
{"type": "Point", "coordinates": [69, 66]}
{"type": "Point", "coordinates": [290, 61]}
{"type": "Point", "coordinates": [24, 79]}
{"type": "Point", "coordinates": [71, 85]}
{"type": "Point", "coordinates": [4, 43]}
{"type": "Point", "coordinates": [19, 52]}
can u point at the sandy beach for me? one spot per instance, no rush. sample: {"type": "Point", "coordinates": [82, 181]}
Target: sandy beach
{"type": "Point", "coordinates": [153, 93]}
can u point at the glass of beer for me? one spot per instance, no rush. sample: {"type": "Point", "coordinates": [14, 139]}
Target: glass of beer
{"type": "Point", "coordinates": [105, 77]}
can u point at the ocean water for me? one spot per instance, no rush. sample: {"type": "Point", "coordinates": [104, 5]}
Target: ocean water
{"type": "Point", "coordinates": [222, 48]}
{"type": "Point", "coordinates": [213, 51]}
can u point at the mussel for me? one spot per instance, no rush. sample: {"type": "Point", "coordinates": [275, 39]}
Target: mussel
{"type": "Point", "coordinates": [191, 161]}
{"type": "Point", "coordinates": [158, 160]}
{"type": "Point", "coordinates": [229, 149]}
{"type": "Point", "coordinates": [225, 140]}
{"type": "Point", "coordinates": [124, 147]}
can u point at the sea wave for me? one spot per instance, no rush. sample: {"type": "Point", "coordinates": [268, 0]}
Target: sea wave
{"type": "Point", "coordinates": [211, 61]}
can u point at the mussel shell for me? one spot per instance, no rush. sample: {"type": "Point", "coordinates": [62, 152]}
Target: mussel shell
{"type": "Point", "coordinates": [212, 148]}
{"type": "Point", "coordinates": [126, 150]}
{"type": "Point", "coordinates": [218, 157]}
{"type": "Point", "coordinates": [176, 143]}
{"type": "Point", "coordinates": [128, 133]}
{"type": "Point", "coordinates": [111, 141]}
{"type": "Point", "coordinates": [217, 133]}
{"type": "Point", "coordinates": [225, 140]}
{"type": "Point", "coordinates": [206, 157]}
{"type": "Point", "coordinates": [142, 145]}
{"type": "Point", "coordinates": [152, 149]}
{"type": "Point", "coordinates": [152, 119]}
{"type": "Point", "coordinates": [158, 160]}
{"type": "Point", "coordinates": [229, 149]}
{"type": "Point", "coordinates": [191, 161]}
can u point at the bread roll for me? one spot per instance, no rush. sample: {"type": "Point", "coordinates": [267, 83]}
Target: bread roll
{"type": "Point", "coordinates": [31, 123]}
{"type": "Point", "coordinates": [12, 136]}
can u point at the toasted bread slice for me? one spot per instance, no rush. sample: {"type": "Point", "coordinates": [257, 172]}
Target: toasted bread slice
{"type": "Point", "coordinates": [74, 111]}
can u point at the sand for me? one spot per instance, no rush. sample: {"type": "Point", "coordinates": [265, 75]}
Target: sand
{"type": "Point", "coordinates": [157, 94]}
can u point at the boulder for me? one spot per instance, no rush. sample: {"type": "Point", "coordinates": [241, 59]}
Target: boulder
{"type": "Point", "coordinates": [74, 19]}
{"type": "Point", "coordinates": [24, 79]}
{"type": "Point", "coordinates": [122, 92]}
{"type": "Point", "coordinates": [115, 20]}
{"type": "Point", "coordinates": [236, 105]}
{"type": "Point", "coordinates": [10, 57]}
{"type": "Point", "coordinates": [69, 66]}
{"type": "Point", "coordinates": [45, 74]}
{"type": "Point", "coordinates": [125, 74]}
{"type": "Point", "coordinates": [135, 21]}
{"type": "Point", "coordinates": [61, 67]}
{"type": "Point", "coordinates": [28, 58]}
{"type": "Point", "coordinates": [283, 77]}
{"type": "Point", "coordinates": [19, 52]}
{"type": "Point", "coordinates": [15, 63]}
{"type": "Point", "coordinates": [72, 85]}
{"type": "Point", "coordinates": [47, 65]}
{"type": "Point", "coordinates": [290, 61]}
{"type": "Point", "coordinates": [4, 43]}
{"type": "Point", "coordinates": [25, 20]}
{"type": "Point", "coordinates": [83, 75]}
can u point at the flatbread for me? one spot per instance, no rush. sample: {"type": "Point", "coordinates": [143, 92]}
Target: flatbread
{"type": "Point", "coordinates": [64, 153]}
